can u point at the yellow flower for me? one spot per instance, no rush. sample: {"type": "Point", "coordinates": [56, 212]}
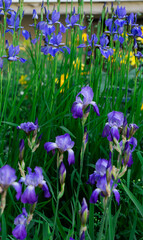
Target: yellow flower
{"type": "Point", "coordinates": [84, 36]}
{"type": "Point", "coordinates": [142, 107]}
{"type": "Point", "coordinates": [77, 63]}
{"type": "Point", "coordinates": [23, 80]}
{"type": "Point", "coordinates": [62, 80]}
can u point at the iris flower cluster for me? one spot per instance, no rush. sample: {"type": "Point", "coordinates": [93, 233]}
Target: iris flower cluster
{"type": "Point", "coordinates": [105, 184]}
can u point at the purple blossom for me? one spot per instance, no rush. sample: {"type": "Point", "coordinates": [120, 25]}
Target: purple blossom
{"type": "Point", "coordinates": [120, 12]}
{"type": "Point", "coordinates": [136, 32]}
{"type": "Point", "coordinates": [132, 19]}
{"type": "Point", "coordinates": [19, 232]}
{"type": "Point", "coordinates": [115, 121]}
{"type": "Point", "coordinates": [62, 172]}
{"type": "Point", "coordinates": [127, 151]}
{"type": "Point", "coordinates": [35, 16]}
{"type": "Point", "coordinates": [5, 5]}
{"type": "Point", "coordinates": [101, 168]}
{"type": "Point", "coordinates": [83, 213]}
{"type": "Point", "coordinates": [80, 105]}
{"type": "Point", "coordinates": [13, 21]}
{"type": "Point", "coordinates": [105, 189]}
{"type": "Point", "coordinates": [55, 17]}
{"type": "Point", "coordinates": [63, 143]}
{"type": "Point", "coordinates": [33, 180]}
{"type": "Point", "coordinates": [26, 34]}
{"type": "Point", "coordinates": [12, 53]}
{"type": "Point", "coordinates": [105, 184]}
{"type": "Point", "coordinates": [91, 42]}
{"type": "Point", "coordinates": [70, 23]}
{"type": "Point", "coordinates": [28, 127]}
{"type": "Point", "coordinates": [57, 46]}
{"type": "Point", "coordinates": [8, 178]}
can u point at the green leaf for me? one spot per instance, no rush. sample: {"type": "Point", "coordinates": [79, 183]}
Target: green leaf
{"type": "Point", "coordinates": [134, 200]}
{"type": "Point", "coordinates": [67, 131]}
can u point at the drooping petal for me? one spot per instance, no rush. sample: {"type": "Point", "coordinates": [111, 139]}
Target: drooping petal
{"type": "Point", "coordinates": [29, 195]}
{"type": "Point", "coordinates": [115, 132]}
{"type": "Point", "coordinates": [19, 232]}
{"type": "Point", "coordinates": [95, 108]}
{"type": "Point", "coordinates": [94, 195]}
{"type": "Point", "coordinates": [50, 146]}
{"type": "Point", "coordinates": [71, 157]}
{"type": "Point", "coordinates": [106, 130]}
{"type": "Point", "coordinates": [92, 178]}
{"type": "Point", "coordinates": [117, 195]}
{"type": "Point", "coordinates": [133, 142]}
{"type": "Point", "coordinates": [17, 186]}
{"type": "Point", "coordinates": [76, 110]}
{"type": "Point", "coordinates": [46, 190]}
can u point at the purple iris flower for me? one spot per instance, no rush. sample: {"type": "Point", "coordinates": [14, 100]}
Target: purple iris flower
{"type": "Point", "coordinates": [80, 105]}
{"type": "Point", "coordinates": [12, 53]}
{"type": "Point", "coordinates": [63, 143]}
{"type": "Point", "coordinates": [57, 45]}
{"type": "Point", "coordinates": [127, 151]}
{"type": "Point", "coordinates": [139, 55]}
{"type": "Point", "coordinates": [13, 21]}
{"type": "Point", "coordinates": [70, 23]}
{"type": "Point", "coordinates": [26, 34]}
{"type": "Point", "coordinates": [105, 189]}
{"type": "Point", "coordinates": [111, 26]}
{"type": "Point", "coordinates": [28, 127]}
{"type": "Point", "coordinates": [33, 180]}
{"type": "Point", "coordinates": [132, 19]}
{"type": "Point", "coordinates": [62, 172]}
{"type": "Point", "coordinates": [55, 17]}
{"type": "Point", "coordinates": [19, 232]}
{"type": "Point", "coordinates": [91, 43]}
{"type": "Point", "coordinates": [115, 121]}
{"type": "Point", "coordinates": [5, 5]}
{"type": "Point", "coordinates": [35, 16]}
{"type": "Point", "coordinates": [136, 32]}
{"type": "Point", "coordinates": [104, 184]}
{"type": "Point", "coordinates": [120, 12]}
{"type": "Point", "coordinates": [8, 178]}
{"type": "Point", "coordinates": [101, 167]}
{"type": "Point", "coordinates": [119, 38]}
{"type": "Point", "coordinates": [83, 213]}
{"type": "Point", "coordinates": [104, 49]}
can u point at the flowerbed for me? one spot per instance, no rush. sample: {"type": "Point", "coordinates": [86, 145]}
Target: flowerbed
{"type": "Point", "coordinates": [71, 124]}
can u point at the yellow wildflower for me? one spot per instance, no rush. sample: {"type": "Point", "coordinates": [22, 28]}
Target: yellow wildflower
{"type": "Point", "coordinates": [23, 80]}
{"type": "Point", "coordinates": [142, 107]}
{"type": "Point", "coordinates": [77, 64]}
{"type": "Point", "coordinates": [62, 80]}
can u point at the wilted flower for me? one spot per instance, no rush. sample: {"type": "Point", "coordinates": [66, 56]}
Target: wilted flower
{"type": "Point", "coordinates": [19, 232]}
{"type": "Point", "coordinates": [80, 105]}
{"type": "Point", "coordinates": [63, 143]}
{"type": "Point", "coordinates": [33, 180]}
